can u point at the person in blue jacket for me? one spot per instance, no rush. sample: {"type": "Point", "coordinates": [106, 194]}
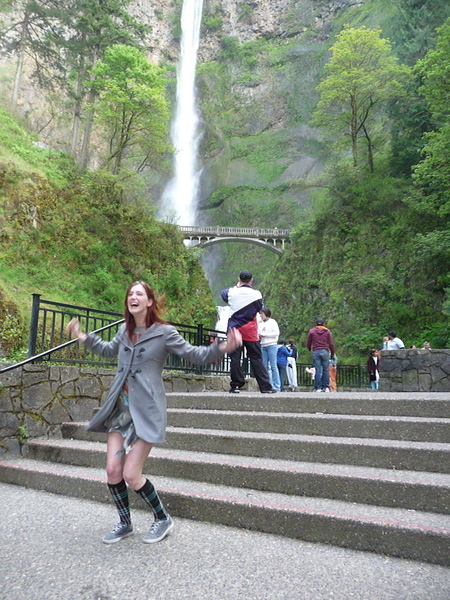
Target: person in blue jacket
{"type": "Point", "coordinates": [282, 361]}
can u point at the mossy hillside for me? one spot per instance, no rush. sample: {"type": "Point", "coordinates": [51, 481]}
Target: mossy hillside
{"type": "Point", "coordinates": [71, 237]}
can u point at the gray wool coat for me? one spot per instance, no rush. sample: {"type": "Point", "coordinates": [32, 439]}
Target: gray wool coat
{"type": "Point", "coordinates": [140, 366]}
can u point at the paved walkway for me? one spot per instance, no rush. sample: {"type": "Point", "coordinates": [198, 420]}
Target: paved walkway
{"type": "Point", "coordinates": [51, 550]}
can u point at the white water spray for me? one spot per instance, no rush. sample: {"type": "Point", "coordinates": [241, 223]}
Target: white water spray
{"type": "Point", "coordinates": [180, 196]}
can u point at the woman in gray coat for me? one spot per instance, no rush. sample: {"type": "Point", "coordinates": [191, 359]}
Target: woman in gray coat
{"type": "Point", "coordinates": [134, 414]}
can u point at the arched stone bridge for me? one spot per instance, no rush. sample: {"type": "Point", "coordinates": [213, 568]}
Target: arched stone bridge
{"type": "Point", "coordinates": [272, 239]}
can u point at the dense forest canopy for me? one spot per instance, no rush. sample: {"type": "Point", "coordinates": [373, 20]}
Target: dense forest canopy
{"type": "Point", "coordinates": [339, 133]}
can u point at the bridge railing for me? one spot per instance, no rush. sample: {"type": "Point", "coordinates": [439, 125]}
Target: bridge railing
{"type": "Point", "coordinates": [236, 231]}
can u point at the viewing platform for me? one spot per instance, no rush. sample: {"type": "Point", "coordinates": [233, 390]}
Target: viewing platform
{"type": "Point", "coordinates": [272, 239]}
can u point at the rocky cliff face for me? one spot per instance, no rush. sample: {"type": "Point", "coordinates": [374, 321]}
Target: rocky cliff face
{"type": "Point", "coordinates": [247, 21]}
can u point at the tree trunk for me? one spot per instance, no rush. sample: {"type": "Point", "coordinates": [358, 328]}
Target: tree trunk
{"type": "Point", "coordinates": [354, 133]}
{"type": "Point", "coordinates": [89, 120]}
{"type": "Point", "coordinates": [369, 150]}
{"type": "Point", "coordinates": [20, 61]}
{"type": "Point", "coordinates": [77, 109]}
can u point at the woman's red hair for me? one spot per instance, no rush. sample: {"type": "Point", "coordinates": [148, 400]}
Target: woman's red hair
{"type": "Point", "coordinates": [153, 312]}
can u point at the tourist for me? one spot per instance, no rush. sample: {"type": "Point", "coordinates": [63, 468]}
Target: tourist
{"type": "Point", "coordinates": [268, 334]}
{"type": "Point", "coordinates": [292, 365]}
{"type": "Point", "coordinates": [283, 354]}
{"type": "Point", "coordinates": [134, 414]}
{"type": "Point", "coordinates": [394, 343]}
{"type": "Point", "coordinates": [320, 343]}
{"type": "Point", "coordinates": [244, 303]}
{"type": "Point", "coordinates": [373, 368]}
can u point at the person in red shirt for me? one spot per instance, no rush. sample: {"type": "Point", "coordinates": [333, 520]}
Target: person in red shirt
{"type": "Point", "coordinates": [320, 343]}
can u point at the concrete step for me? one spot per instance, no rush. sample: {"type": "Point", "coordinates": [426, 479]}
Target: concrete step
{"type": "Point", "coordinates": [406, 404]}
{"type": "Point", "coordinates": [384, 454]}
{"type": "Point", "coordinates": [397, 532]}
{"type": "Point", "coordinates": [368, 426]}
{"type": "Point", "coordinates": [364, 485]}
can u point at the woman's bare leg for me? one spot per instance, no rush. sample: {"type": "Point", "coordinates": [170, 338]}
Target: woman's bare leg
{"type": "Point", "coordinates": [114, 462]}
{"type": "Point", "coordinates": [134, 464]}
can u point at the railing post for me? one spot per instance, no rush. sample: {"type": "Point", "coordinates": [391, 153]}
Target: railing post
{"type": "Point", "coordinates": [200, 341]}
{"type": "Point", "coordinates": [34, 325]}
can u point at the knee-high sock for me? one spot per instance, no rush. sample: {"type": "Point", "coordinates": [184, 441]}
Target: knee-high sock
{"type": "Point", "coordinates": [148, 493]}
{"type": "Point", "coordinates": [119, 493]}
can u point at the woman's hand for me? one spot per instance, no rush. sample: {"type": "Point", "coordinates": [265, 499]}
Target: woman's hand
{"type": "Point", "coordinates": [74, 330]}
{"type": "Point", "coordinates": [234, 340]}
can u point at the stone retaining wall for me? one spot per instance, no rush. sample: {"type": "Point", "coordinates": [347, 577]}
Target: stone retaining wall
{"type": "Point", "coordinates": [415, 370]}
{"type": "Point", "coordinates": [36, 399]}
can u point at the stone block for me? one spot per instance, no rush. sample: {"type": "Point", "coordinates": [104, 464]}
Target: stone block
{"type": "Point", "coordinates": [35, 368]}
{"type": "Point", "coordinates": [179, 385]}
{"type": "Point", "coordinates": [5, 400]}
{"type": "Point", "coordinates": [9, 446]}
{"type": "Point", "coordinates": [11, 378]}
{"type": "Point", "coordinates": [35, 426]}
{"type": "Point", "coordinates": [56, 414]}
{"type": "Point", "coordinates": [218, 383]}
{"type": "Point", "coordinates": [33, 378]}
{"type": "Point", "coordinates": [424, 382]}
{"type": "Point", "coordinates": [445, 364]}
{"type": "Point", "coordinates": [80, 409]}
{"type": "Point", "coordinates": [54, 372]}
{"type": "Point", "coordinates": [437, 374]}
{"type": "Point", "coordinates": [68, 374]}
{"type": "Point", "coordinates": [410, 380]}
{"type": "Point", "coordinates": [389, 364]}
{"type": "Point", "coordinates": [106, 380]}
{"type": "Point", "coordinates": [195, 385]}
{"type": "Point", "coordinates": [89, 387]}
{"type": "Point", "coordinates": [9, 423]}
{"type": "Point", "coordinates": [67, 390]}
{"type": "Point", "coordinates": [37, 396]}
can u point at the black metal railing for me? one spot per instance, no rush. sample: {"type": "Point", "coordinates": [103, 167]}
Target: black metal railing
{"type": "Point", "coordinates": [50, 319]}
{"type": "Point", "coordinates": [347, 376]}
{"type": "Point", "coordinates": [48, 343]}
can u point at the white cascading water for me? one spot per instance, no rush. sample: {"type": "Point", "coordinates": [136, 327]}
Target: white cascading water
{"type": "Point", "coordinates": [180, 197]}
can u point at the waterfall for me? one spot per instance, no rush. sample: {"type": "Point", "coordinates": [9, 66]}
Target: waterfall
{"type": "Point", "coordinates": [223, 314]}
{"type": "Point", "coordinates": [180, 196]}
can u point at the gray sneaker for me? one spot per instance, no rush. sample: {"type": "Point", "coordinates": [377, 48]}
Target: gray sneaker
{"type": "Point", "coordinates": [117, 533]}
{"type": "Point", "coordinates": [158, 531]}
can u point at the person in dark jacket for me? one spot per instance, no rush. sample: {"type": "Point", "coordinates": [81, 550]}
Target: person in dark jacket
{"type": "Point", "coordinates": [320, 343]}
{"type": "Point", "coordinates": [245, 302]}
{"type": "Point", "coordinates": [134, 414]}
{"type": "Point", "coordinates": [373, 368]}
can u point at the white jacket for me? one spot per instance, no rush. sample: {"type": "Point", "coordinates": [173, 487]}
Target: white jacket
{"type": "Point", "coordinates": [269, 331]}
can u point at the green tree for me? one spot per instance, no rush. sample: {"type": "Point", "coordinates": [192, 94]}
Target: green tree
{"type": "Point", "coordinates": [362, 77]}
{"type": "Point", "coordinates": [65, 38]}
{"type": "Point", "coordinates": [432, 174]}
{"type": "Point", "coordinates": [415, 27]}
{"type": "Point", "coordinates": [431, 200]}
{"type": "Point", "coordinates": [28, 30]}
{"type": "Point", "coordinates": [132, 107]}
{"type": "Point", "coordinates": [95, 25]}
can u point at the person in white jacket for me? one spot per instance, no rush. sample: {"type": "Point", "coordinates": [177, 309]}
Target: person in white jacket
{"type": "Point", "coordinates": [269, 332]}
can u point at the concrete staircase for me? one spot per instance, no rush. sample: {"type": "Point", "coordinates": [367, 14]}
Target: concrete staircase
{"type": "Point", "coordinates": [362, 470]}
